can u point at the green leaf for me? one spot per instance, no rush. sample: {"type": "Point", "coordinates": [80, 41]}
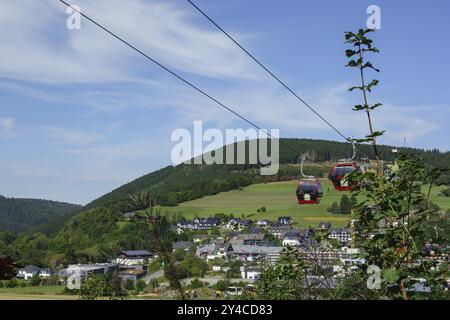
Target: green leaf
{"type": "Point", "coordinates": [372, 84]}
{"type": "Point", "coordinates": [353, 88]}
{"type": "Point", "coordinates": [362, 140]}
{"type": "Point", "coordinates": [390, 275]}
{"type": "Point", "coordinates": [369, 65]}
{"type": "Point", "coordinates": [376, 134]}
{"type": "Point", "coordinates": [376, 105]}
{"type": "Point", "coordinates": [349, 53]}
{"type": "Point", "coordinates": [352, 63]}
{"type": "Point", "coordinates": [371, 49]}
{"type": "Point", "coordinates": [349, 35]}
{"type": "Point", "coordinates": [359, 107]}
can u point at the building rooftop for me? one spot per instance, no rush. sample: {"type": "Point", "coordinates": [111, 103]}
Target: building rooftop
{"type": "Point", "coordinates": [30, 268]}
{"type": "Point", "coordinates": [141, 253]}
{"type": "Point", "coordinates": [244, 249]}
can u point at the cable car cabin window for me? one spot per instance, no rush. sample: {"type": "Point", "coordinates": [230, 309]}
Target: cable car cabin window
{"type": "Point", "coordinates": [342, 171]}
{"type": "Point", "coordinates": [308, 187]}
{"type": "Point", "coordinates": [319, 189]}
{"type": "Point", "coordinates": [312, 188]}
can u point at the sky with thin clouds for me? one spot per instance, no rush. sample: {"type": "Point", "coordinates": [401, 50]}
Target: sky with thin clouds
{"type": "Point", "coordinates": [81, 114]}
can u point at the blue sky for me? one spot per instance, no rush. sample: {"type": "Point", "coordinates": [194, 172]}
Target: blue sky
{"type": "Point", "coordinates": [80, 114]}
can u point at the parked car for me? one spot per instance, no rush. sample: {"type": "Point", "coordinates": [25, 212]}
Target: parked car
{"type": "Point", "coordinates": [233, 291]}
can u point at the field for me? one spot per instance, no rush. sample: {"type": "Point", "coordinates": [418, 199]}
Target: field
{"type": "Point", "coordinates": [35, 293]}
{"type": "Point", "coordinates": [278, 198]}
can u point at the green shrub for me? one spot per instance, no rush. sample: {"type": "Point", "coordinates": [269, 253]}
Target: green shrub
{"type": "Point", "coordinates": [140, 285]}
{"type": "Point", "coordinates": [446, 192]}
{"type": "Point", "coordinates": [129, 284]}
{"type": "Point", "coordinates": [196, 284]}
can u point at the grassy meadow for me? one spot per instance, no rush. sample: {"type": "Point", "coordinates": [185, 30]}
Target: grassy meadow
{"type": "Point", "coordinates": [279, 199]}
{"type": "Point", "coordinates": [35, 293]}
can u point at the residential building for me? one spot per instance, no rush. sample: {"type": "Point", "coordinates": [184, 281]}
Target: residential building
{"type": "Point", "coordinates": [133, 274]}
{"type": "Point", "coordinates": [285, 220]}
{"type": "Point", "coordinates": [184, 245]}
{"type": "Point", "coordinates": [324, 226]}
{"type": "Point", "coordinates": [45, 273]}
{"type": "Point", "coordinates": [200, 238]}
{"type": "Point", "coordinates": [205, 224]}
{"type": "Point", "coordinates": [343, 235]}
{"type": "Point", "coordinates": [211, 251]}
{"type": "Point", "coordinates": [77, 272]}
{"type": "Point", "coordinates": [299, 238]}
{"type": "Point", "coordinates": [292, 238]}
{"type": "Point", "coordinates": [238, 224]}
{"type": "Point", "coordinates": [252, 253]}
{"type": "Point", "coordinates": [248, 239]}
{"type": "Point", "coordinates": [250, 273]}
{"type": "Point", "coordinates": [28, 272]}
{"type": "Point", "coordinates": [278, 230]}
{"type": "Point", "coordinates": [134, 257]}
{"type": "Point", "coordinates": [264, 223]}
{"type": "Point", "coordinates": [197, 224]}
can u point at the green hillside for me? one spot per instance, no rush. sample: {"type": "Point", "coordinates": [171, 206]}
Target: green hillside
{"type": "Point", "coordinates": [24, 214]}
{"type": "Point", "coordinates": [202, 190]}
{"type": "Point", "coordinates": [176, 184]}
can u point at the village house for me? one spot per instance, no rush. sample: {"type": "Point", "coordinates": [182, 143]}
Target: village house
{"type": "Point", "coordinates": [256, 230]}
{"type": "Point", "coordinates": [250, 273]}
{"type": "Point", "coordinates": [78, 272]}
{"type": "Point", "coordinates": [184, 245]}
{"type": "Point", "coordinates": [197, 224]}
{"type": "Point", "coordinates": [132, 274]}
{"type": "Point", "coordinates": [348, 259]}
{"type": "Point", "coordinates": [134, 257]}
{"type": "Point", "coordinates": [30, 271]}
{"type": "Point", "coordinates": [200, 238]}
{"type": "Point", "coordinates": [350, 256]}
{"type": "Point", "coordinates": [211, 252]}
{"type": "Point", "coordinates": [205, 224]}
{"type": "Point", "coordinates": [278, 230]}
{"type": "Point", "coordinates": [248, 239]}
{"type": "Point", "coordinates": [342, 235]}
{"type": "Point", "coordinates": [238, 224]}
{"type": "Point", "coordinates": [292, 238]}
{"type": "Point", "coordinates": [285, 220]}
{"type": "Point", "coordinates": [297, 238]}
{"type": "Point", "coordinates": [185, 225]}
{"type": "Point", "coordinates": [264, 223]}
{"type": "Point", "coordinates": [252, 253]}
{"type": "Point", "coordinates": [324, 226]}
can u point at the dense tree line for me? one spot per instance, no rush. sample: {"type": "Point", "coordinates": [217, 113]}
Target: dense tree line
{"type": "Point", "coordinates": [83, 239]}
{"type": "Point", "coordinates": [24, 214]}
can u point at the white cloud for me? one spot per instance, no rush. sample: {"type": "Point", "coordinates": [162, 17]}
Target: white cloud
{"type": "Point", "coordinates": [36, 45]}
{"type": "Point", "coordinates": [6, 127]}
{"type": "Point", "coordinates": [77, 137]}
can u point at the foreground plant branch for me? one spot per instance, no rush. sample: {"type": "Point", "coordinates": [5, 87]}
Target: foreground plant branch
{"type": "Point", "coordinates": [150, 217]}
{"type": "Point", "coordinates": [361, 46]}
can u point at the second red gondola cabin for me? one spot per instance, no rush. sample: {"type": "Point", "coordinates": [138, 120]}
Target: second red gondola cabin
{"type": "Point", "coordinates": [338, 176]}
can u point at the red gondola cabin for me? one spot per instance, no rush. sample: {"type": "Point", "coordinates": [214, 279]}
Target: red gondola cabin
{"type": "Point", "coordinates": [338, 173]}
{"type": "Point", "coordinates": [309, 191]}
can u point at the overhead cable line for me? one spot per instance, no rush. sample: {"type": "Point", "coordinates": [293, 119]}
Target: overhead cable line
{"type": "Point", "coordinates": [269, 72]}
{"type": "Point", "coordinates": [175, 74]}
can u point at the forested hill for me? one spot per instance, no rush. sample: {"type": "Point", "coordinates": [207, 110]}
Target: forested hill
{"type": "Point", "coordinates": [24, 214]}
{"type": "Point", "coordinates": [173, 185]}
